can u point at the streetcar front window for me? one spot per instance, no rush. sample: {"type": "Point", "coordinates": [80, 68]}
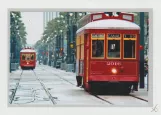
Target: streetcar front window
{"type": "Point", "coordinates": [97, 48]}
{"type": "Point", "coordinates": [23, 57]}
{"type": "Point", "coordinates": [113, 48]}
{"type": "Point", "coordinates": [129, 49]}
{"type": "Point", "coordinates": [27, 56]}
{"type": "Point", "coordinates": [32, 56]}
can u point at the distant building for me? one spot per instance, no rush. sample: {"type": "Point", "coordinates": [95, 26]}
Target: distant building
{"type": "Point", "coordinates": [47, 16]}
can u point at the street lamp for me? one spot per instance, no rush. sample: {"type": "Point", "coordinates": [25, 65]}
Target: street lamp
{"type": "Point", "coordinates": [61, 16]}
{"type": "Point", "coordinates": [71, 14]}
{"type": "Point", "coordinates": [62, 46]}
{"type": "Point", "coordinates": [80, 14]}
{"type": "Point", "coordinates": [58, 20]}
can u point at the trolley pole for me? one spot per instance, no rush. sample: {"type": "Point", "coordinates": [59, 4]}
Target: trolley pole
{"type": "Point", "coordinates": [142, 51]}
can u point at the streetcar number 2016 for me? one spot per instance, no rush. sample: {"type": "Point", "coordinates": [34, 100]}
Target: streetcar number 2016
{"type": "Point", "coordinates": [113, 63]}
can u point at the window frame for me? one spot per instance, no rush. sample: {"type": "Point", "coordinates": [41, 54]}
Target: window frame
{"type": "Point", "coordinates": [113, 39]}
{"type": "Point", "coordinates": [22, 56]}
{"type": "Point", "coordinates": [133, 39]}
{"type": "Point", "coordinates": [30, 56]}
{"type": "Point", "coordinates": [103, 47]}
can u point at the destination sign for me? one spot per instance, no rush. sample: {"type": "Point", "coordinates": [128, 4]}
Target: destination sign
{"type": "Point", "coordinates": [129, 36]}
{"type": "Point", "coordinates": [127, 17]}
{"type": "Point", "coordinates": [113, 35]}
{"type": "Point", "coordinates": [95, 17]}
{"type": "Point", "coordinates": [97, 35]}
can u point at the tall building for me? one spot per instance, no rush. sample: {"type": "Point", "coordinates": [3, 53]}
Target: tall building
{"type": "Point", "coordinates": [47, 16]}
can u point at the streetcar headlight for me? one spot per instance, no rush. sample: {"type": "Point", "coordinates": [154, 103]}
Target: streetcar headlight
{"type": "Point", "coordinates": [27, 63]}
{"type": "Point", "coordinates": [114, 71]}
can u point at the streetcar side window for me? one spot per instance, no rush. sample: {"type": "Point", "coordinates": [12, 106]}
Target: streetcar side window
{"type": "Point", "coordinates": [129, 49]}
{"type": "Point", "coordinates": [113, 48]}
{"type": "Point", "coordinates": [97, 48]}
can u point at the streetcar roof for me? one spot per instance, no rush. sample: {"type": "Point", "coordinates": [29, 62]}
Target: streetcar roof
{"type": "Point", "coordinates": [110, 24]}
{"type": "Point", "coordinates": [27, 50]}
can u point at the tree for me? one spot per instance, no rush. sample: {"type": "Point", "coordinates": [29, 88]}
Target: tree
{"type": "Point", "coordinates": [137, 17]}
{"type": "Point", "coordinates": [17, 34]}
{"type": "Point", "coordinates": [54, 29]}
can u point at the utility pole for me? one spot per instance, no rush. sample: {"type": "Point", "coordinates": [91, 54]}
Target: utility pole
{"type": "Point", "coordinates": [62, 47]}
{"type": "Point", "coordinates": [74, 39]}
{"type": "Point", "coordinates": [142, 51]}
{"type": "Point", "coordinates": [55, 50]}
{"type": "Point", "coordinates": [48, 54]}
{"type": "Point", "coordinates": [71, 39]}
{"type": "Point", "coordinates": [148, 50]}
{"type": "Point", "coordinates": [10, 53]}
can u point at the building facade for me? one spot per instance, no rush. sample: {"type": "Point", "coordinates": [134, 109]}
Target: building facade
{"type": "Point", "coordinates": [47, 16]}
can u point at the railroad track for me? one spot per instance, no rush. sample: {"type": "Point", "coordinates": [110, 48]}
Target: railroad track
{"type": "Point", "coordinates": [43, 86]}
{"type": "Point", "coordinates": [102, 99]}
{"type": "Point", "coordinates": [138, 98]}
{"type": "Point", "coordinates": [46, 90]}
{"type": "Point", "coordinates": [126, 101]}
{"type": "Point", "coordinates": [14, 91]}
{"type": "Point", "coordinates": [53, 99]}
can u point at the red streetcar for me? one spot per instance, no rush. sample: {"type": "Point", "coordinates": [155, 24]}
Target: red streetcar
{"type": "Point", "coordinates": [107, 51]}
{"type": "Point", "coordinates": [27, 58]}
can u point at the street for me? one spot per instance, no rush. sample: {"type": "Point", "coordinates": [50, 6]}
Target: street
{"type": "Point", "coordinates": [49, 86]}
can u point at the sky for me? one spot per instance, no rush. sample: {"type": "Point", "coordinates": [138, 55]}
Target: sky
{"type": "Point", "coordinates": [34, 26]}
